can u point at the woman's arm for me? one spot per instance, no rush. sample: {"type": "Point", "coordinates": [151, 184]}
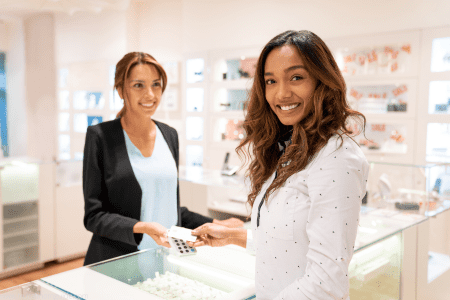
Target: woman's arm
{"type": "Point", "coordinates": [217, 236]}
{"type": "Point", "coordinates": [336, 186]}
{"type": "Point", "coordinates": [97, 217]}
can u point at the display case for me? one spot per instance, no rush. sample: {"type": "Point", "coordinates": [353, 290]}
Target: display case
{"type": "Point", "coordinates": [37, 290]}
{"type": "Point", "coordinates": [25, 200]}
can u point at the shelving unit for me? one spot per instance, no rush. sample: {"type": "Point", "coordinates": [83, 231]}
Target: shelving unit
{"type": "Point", "coordinates": [20, 215]}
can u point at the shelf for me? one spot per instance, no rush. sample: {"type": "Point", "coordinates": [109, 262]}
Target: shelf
{"type": "Point", "coordinates": [20, 247]}
{"type": "Point", "coordinates": [19, 233]}
{"type": "Point", "coordinates": [19, 220]}
{"type": "Point", "coordinates": [21, 256]}
{"type": "Point", "coordinates": [438, 264]}
{"type": "Point", "coordinates": [19, 210]}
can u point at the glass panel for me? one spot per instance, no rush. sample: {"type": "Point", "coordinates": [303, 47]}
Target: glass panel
{"type": "Point", "coordinates": [438, 142]}
{"type": "Point", "coordinates": [19, 182]}
{"type": "Point", "coordinates": [115, 103]}
{"type": "Point", "coordinates": [378, 99]}
{"type": "Point", "coordinates": [384, 138]}
{"type": "Point", "coordinates": [195, 70]}
{"type": "Point", "coordinates": [112, 75]}
{"type": "Point", "coordinates": [189, 277]}
{"type": "Point", "coordinates": [80, 122]}
{"type": "Point", "coordinates": [64, 100]}
{"type": "Point", "coordinates": [64, 121]}
{"type": "Point", "coordinates": [440, 55]}
{"type": "Point", "coordinates": [64, 146]}
{"type": "Point", "coordinates": [194, 99]}
{"type": "Point", "coordinates": [439, 97]}
{"type": "Point", "coordinates": [384, 59]}
{"type": "Point", "coordinates": [171, 69]}
{"type": "Point", "coordinates": [240, 68]}
{"type": "Point", "coordinates": [32, 290]}
{"type": "Point", "coordinates": [94, 120]}
{"type": "Point", "coordinates": [169, 101]}
{"type": "Point", "coordinates": [63, 74]}
{"type": "Point", "coordinates": [230, 99]}
{"type": "Point", "coordinates": [194, 128]}
{"type": "Point", "coordinates": [88, 100]}
{"type": "Point", "coordinates": [376, 270]}
{"type": "Point", "coordinates": [194, 155]}
{"type": "Point", "coordinates": [228, 129]}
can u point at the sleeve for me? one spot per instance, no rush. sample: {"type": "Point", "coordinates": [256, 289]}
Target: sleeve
{"type": "Point", "coordinates": [97, 218]}
{"type": "Point", "coordinates": [336, 186]}
{"type": "Point", "coordinates": [193, 220]}
{"type": "Point", "coordinates": [251, 242]}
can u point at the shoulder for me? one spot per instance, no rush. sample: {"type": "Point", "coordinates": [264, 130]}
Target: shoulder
{"type": "Point", "coordinates": [105, 127]}
{"type": "Point", "coordinates": [166, 129]}
{"type": "Point", "coordinates": [340, 151]}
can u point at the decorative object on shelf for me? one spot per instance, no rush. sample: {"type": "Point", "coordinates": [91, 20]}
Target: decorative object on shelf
{"type": "Point", "coordinates": [378, 99]}
{"type": "Point", "coordinates": [386, 59]}
{"type": "Point", "coordinates": [234, 130]}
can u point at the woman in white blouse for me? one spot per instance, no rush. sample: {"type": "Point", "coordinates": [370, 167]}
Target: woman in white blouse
{"type": "Point", "coordinates": [308, 176]}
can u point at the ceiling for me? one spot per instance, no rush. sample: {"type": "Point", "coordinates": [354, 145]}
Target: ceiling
{"type": "Point", "coordinates": [67, 6]}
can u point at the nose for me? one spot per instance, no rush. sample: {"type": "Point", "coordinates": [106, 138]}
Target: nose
{"type": "Point", "coordinates": [150, 93]}
{"type": "Point", "coordinates": [283, 91]}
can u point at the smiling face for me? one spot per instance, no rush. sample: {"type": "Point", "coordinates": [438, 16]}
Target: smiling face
{"type": "Point", "coordinates": [288, 85]}
{"type": "Point", "coordinates": [143, 90]}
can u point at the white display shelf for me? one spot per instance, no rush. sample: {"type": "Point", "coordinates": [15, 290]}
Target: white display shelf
{"type": "Point", "coordinates": [19, 220]}
{"type": "Point", "coordinates": [19, 233]}
{"type": "Point", "coordinates": [438, 264]}
{"type": "Point", "coordinates": [20, 247]}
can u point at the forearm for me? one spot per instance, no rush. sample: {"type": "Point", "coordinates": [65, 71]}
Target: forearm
{"type": "Point", "coordinates": [140, 227]}
{"type": "Point", "coordinates": [238, 237]}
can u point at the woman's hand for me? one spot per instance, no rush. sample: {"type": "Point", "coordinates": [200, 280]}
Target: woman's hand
{"type": "Point", "coordinates": [231, 222]}
{"type": "Point", "coordinates": [215, 235]}
{"type": "Point", "coordinates": [156, 231]}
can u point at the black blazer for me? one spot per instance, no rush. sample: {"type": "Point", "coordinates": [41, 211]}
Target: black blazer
{"type": "Point", "coordinates": [112, 195]}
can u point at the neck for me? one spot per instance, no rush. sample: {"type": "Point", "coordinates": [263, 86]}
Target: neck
{"type": "Point", "coordinates": [137, 126]}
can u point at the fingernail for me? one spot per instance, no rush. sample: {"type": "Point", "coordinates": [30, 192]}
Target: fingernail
{"type": "Point", "coordinates": [193, 232]}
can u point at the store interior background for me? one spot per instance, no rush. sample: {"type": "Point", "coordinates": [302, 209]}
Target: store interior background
{"type": "Point", "coordinates": [39, 43]}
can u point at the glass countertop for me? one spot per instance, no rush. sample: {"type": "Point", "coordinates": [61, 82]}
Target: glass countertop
{"type": "Point", "coordinates": [203, 176]}
{"type": "Point", "coordinates": [213, 273]}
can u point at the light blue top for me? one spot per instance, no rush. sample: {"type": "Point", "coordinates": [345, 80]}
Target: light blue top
{"type": "Point", "coordinates": [157, 176]}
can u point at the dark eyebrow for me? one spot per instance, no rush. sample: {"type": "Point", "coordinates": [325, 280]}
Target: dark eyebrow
{"type": "Point", "coordinates": [142, 81]}
{"type": "Point", "coordinates": [287, 70]}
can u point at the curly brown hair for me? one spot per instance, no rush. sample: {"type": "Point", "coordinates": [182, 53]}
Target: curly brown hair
{"type": "Point", "coordinates": [329, 116]}
{"type": "Point", "coordinates": [126, 64]}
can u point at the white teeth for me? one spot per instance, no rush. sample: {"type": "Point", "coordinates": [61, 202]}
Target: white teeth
{"type": "Point", "coordinates": [289, 107]}
{"type": "Point", "coordinates": [147, 105]}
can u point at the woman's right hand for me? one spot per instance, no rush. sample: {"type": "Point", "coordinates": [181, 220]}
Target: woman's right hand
{"type": "Point", "coordinates": [156, 231]}
{"type": "Point", "coordinates": [217, 236]}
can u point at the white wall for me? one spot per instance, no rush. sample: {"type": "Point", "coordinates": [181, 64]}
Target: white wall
{"type": "Point", "coordinates": [90, 37]}
{"type": "Point", "coordinates": [235, 23]}
{"type": "Point", "coordinates": [16, 88]}
{"type": "Point", "coordinates": [40, 85]}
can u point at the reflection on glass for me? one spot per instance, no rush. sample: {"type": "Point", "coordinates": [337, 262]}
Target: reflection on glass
{"type": "Point", "coordinates": [80, 122]}
{"type": "Point", "coordinates": [376, 270]}
{"type": "Point", "coordinates": [63, 74]}
{"type": "Point", "coordinates": [240, 68]}
{"type": "Point", "coordinates": [229, 129]}
{"type": "Point", "coordinates": [194, 155]}
{"type": "Point", "coordinates": [230, 99]}
{"type": "Point", "coordinates": [112, 74]}
{"type": "Point", "coordinates": [440, 55]}
{"type": "Point", "coordinates": [94, 120]}
{"type": "Point", "coordinates": [439, 97]}
{"type": "Point", "coordinates": [384, 138]}
{"type": "Point", "coordinates": [378, 99]}
{"type": "Point", "coordinates": [64, 146]}
{"type": "Point", "coordinates": [195, 70]}
{"type": "Point", "coordinates": [64, 100]}
{"type": "Point", "coordinates": [194, 99]}
{"type": "Point", "coordinates": [64, 121]}
{"type": "Point", "coordinates": [194, 128]}
{"type": "Point", "coordinates": [88, 100]}
{"type": "Point", "coordinates": [384, 59]}
{"type": "Point", "coordinates": [115, 103]}
{"type": "Point", "coordinates": [438, 142]}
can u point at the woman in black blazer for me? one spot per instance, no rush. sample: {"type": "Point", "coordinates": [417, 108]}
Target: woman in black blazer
{"type": "Point", "coordinates": [111, 190]}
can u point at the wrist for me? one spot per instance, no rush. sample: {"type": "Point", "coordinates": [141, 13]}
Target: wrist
{"type": "Point", "coordinates": [142, 227]}
{"type": "Point", "coordinates": [238, 237]}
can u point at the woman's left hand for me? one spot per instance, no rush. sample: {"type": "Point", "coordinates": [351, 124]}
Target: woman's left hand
{"type": "Point", "coordinates": [230, 223]}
